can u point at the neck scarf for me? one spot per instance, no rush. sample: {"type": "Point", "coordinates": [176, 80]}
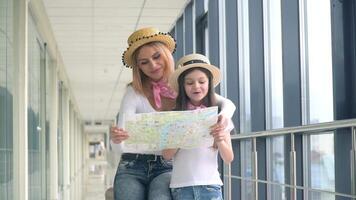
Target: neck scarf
{"type": "Point", "coordinates": [190, 106]}
{"type": "Point", "coordinates": [161, 88]}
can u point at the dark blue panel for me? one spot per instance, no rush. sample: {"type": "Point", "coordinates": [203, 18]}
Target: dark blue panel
{"type": "Point", "coordinates": [257, 85]}
{"type": "Point", "coordinates": [180, 39]}
{"type": "Point", "coordinates": [200, 25]}
{"type": "Point", "coordinates": [213, 27]}
{"type": "Point", "coordinates": [232, 58]}
{"type": "Point", "coordinates": [343, 57]}
{"type": "Point", "coordinates": [188, 29]}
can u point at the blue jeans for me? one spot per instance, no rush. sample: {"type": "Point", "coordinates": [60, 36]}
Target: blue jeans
{"type": "Point", "coordinates": [142, 177]}
{"type": "Point", "coordinates": [199, 192]}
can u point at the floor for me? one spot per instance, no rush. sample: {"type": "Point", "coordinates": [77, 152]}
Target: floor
{"type": "Point", "coordinates": [98, 177]}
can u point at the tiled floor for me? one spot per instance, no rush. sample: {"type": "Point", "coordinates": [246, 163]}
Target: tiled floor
{"type": "Point", "coordinates": [98, 177]}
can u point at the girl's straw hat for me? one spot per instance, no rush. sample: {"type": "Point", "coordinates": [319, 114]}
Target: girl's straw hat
{"type": "Point", "coordinates": [144, 36]}
{"type": "Point", "coordinates": [190, 61]}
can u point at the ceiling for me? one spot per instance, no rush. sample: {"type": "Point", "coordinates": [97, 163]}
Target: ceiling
{"type": "Point", "coordinates": [91, 36]}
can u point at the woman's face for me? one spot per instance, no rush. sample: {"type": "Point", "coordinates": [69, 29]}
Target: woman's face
{"type": "Point", "coordinates": [150, 61]}
{"type": "Point", "coordinates": [196, 85]}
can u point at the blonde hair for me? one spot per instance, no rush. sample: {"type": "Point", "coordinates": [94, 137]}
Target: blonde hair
{"type": "Point", "coordinates": [139, 78]}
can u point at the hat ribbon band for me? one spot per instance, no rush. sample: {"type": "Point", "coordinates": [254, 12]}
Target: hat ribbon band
{"type": "Point", "coordinates": [193, 61]}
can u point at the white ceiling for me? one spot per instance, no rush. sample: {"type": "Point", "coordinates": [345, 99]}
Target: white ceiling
{"type": "Point", "coordinates": [91, 36]}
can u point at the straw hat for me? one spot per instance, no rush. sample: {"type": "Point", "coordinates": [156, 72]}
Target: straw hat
{"type": "Point", "coordinates": [190, 61]}
{"type": "Point", "coordinates": [144, 36]}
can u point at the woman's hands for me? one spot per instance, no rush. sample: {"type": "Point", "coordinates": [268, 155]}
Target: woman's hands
{"type": "Point", "coordinates": [118, 134]}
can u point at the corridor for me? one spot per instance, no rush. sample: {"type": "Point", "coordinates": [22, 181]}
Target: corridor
{"type": "Point", "coordinates": [289, 66]}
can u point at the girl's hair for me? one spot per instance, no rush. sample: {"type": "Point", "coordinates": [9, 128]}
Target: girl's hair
{"type": "Point", "coordinates": [139, 78]}
{"type": "Point", "coordinates": [183, 99]}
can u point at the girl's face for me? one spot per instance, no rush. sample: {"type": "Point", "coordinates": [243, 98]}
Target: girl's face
{"type": "Point", "coordinates": [196, 86]}
{"type": "Point", "coordinates": [150, 61]}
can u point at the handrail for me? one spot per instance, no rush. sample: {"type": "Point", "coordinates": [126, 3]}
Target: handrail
{"type": "Point", "coordinates": [294, 187]}
{"type": "Point", "coordinates": [305, 129]}
{"type": "Point", "coordinates": [292, 131]}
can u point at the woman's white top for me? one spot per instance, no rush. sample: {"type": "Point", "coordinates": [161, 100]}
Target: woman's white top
{"type": "Point", "coordinates": [197, 166]}
{"type": "Point", "coordinates": [133, 103]}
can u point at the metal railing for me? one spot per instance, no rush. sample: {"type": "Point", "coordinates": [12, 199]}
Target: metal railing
{"type": "Point", "coordinates": [292, 131]}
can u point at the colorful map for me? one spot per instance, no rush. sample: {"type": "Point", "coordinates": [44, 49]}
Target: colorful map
{"type": "Point", "coordinates": [175, 129]}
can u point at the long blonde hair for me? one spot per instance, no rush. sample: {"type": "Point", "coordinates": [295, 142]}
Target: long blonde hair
{"type": "Point", "coordinates": [139, 78]}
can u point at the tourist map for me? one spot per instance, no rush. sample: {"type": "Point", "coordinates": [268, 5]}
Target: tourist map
{"type": "Point", "coordinates": [172, 129]}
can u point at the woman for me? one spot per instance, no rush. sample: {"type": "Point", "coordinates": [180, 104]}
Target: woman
{"type": "Point", "coordinates": [146, 175]}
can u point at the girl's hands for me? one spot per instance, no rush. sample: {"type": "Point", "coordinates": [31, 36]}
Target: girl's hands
{"type": "Point", "coordinates": [118, 134]}
{"type": "Point", "coordinates": [219, 136]}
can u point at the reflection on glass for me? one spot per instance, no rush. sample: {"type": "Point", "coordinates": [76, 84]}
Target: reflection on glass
{"type": "Point", "coordinates": [322, 163]}
{"type": "Point", "coordinates": [278, 172]}
{"type": "Point", "coordinates": [246, 170]}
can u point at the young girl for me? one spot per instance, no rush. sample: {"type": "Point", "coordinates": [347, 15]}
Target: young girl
{"type": "Point", "coordinates": [195, 171]}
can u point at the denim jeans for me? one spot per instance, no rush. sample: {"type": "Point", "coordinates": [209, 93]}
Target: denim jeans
{"type": "Point", "coordinates": [143, 177]}
{"type": "Point", "coordinates": [199, 192]}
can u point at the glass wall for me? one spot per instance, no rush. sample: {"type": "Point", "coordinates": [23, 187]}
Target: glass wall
{"type": "Point", "coordinates": [284, 53]}
{"type": "Point", "coordinates": [6, 99]}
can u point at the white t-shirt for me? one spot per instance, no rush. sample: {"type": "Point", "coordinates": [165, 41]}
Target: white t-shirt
{"type": "Point", "coordinates": [134, 102]}
{"type": "Point", "coordinates": [197, 166]}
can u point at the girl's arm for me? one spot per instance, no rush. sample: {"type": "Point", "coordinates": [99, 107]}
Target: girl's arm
{"type": "Point", "coordinates": [168, 154]}
{"type": "Point", "coordinates": [223, 142]}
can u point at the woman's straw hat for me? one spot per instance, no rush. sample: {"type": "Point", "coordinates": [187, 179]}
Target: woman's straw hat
{"type": "Point", "coordinates": [190, 61]}
{"type": "Point", "coordinates": [144, 36]}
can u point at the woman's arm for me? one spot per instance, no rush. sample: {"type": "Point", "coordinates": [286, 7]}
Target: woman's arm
{"type": "Point", "coordinates": [227, 106]}
{"type": "Point", "coordinates": [168, 154]}
{"type": "Point", "coordinates": [224, 119]}
{"type": "Point", "coordinates": [128, 106]}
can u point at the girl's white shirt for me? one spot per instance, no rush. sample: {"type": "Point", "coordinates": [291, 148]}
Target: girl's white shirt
{"type": "Point", "coordinates": [197, 166]}
{"type": "Point", "coordinates": [133, 103]}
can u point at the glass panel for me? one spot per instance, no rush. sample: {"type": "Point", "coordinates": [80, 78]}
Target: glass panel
{"type": "Point", "coordinates": [274, 95]}
{"type": "Point", "coordinates": [10, 78]}
{"type": "Point", "coordinates": [320, 97]}
{"type": "Point", "coordinates": [322, 162]}
{"type": "Point", "coordinates": [3, 95]}
{"type": "Point", "coordinates": [60, 141]}
{"type": "Point", "coordinates": [321, 195]}
{"type": "Point", "coordinates": [48, 101]}
{"type": "Point", "coordinates": [277, 166]}
{"type": "Point", "coordinates": [319, 63]}
{"type": "Point", "coordinates": [36, 127]}
{"type": "Point", "coordinates": [6, 101]}
{"type": "Point", "coordinates": [247, 187]}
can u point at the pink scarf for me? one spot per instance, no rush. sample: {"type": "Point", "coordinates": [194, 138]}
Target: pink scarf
{"type": "Point", "coordinates": [161, 88]}
{"type": "Point", "coordinates": [190, 106]}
